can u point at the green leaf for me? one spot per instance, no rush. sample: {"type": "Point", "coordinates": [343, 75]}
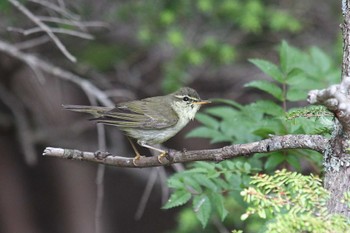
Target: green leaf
{"type": "Point", "coordinates": [244, 216]}
{"type": "Point", "coordinates": [205, 181]}
{"type": "Point", "coordinates": [291, 58]}
{"type": "Point", "coordinates": [227, 53]}
{"type": "Point", "coordinates": [274, 160]}
{"type": "Point", "coordinates": [209, 121]}
{"type": "Point", "coordinates": [195, 57]}
{"type": "Point", "coordinates": [206, 165]}
{"type": "Point", "coordinates": [246, 167]}
{"type": "Point", "coordinates": [223, 112]}
{"type": "Point", "coordinates": [192, 185]}
{"type": "Point", "coordinates": [268, 107]}
{"type": "Point", "coordinates": [218, 201]}
{"type": "Point", "coordinates": [296, 94]}
{"type": "Point", "coordinates": [227, 101]}
{"type": "Point", "coordinates": [202, 208]}
{"type": "Point", "coordinates": [174, 182]}
{"type": "Point", "coordinates": [269, 68]}
{"type": "Point", "coordinates": [221, 138]}
{"type": "Point", "coordinates": [320, 59]}
{"type": "Point", "coordinates": [295, 73]}
{"type": "Point", "coordinates": [264, 132]}
{"type": "Point", "coordinates": [235, 181]}
{"type": "Point", "coordinates": [262, 213]}
{"type": "Point", "coordinates": [175, 38]}
{"type": "Point", "coordinates": [294, 161]}
{"type": "Point", "coordinates": [178, 198]}
{"type": "Point", "coordinates": [268, 87]}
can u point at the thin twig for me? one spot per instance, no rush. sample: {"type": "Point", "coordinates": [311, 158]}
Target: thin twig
{"type": "Point", "coordinates": [100, 197]}
{"type": "Point", "coordinates": [72, 22]}
{"type": "Point", "coordinates": [32, 43]}
{"type": "Point", "coordinates": [37, 73]}
{"type": "Point", "coordinates": [163, 183]}
{"type": "Point", "coordinates": [62, 10]}
{"type": "Point", "coordinates": [22, 124]}
{"type": "Point", "coordinates": [69, 32]}
{"type": "Point", "coordinates": [56, 71]}
{"type": "Point", "coordinates": [102, 145]}
{"type": "Point", "coordinates": [45, 28]}
{"type": "Point", "coordinates": [146, 194]}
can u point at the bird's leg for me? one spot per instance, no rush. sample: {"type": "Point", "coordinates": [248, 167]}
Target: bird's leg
{"type": "Point", "coordinates": [162, 152]}
{"type": "Point", "coordinates": [137, 154]}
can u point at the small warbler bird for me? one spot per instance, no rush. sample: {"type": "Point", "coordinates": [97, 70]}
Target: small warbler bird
{"type": "Point", "coordinates": [151, 120]}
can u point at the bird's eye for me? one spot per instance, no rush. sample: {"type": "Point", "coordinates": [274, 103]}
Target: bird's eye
{"type": "Point", "coordinates": [186, 99]}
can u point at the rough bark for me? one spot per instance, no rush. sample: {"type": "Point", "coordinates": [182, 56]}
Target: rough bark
{"type": "Point", "coordinates": [276, 143]}
{"type": "Point", "coordinates": [337, 99]}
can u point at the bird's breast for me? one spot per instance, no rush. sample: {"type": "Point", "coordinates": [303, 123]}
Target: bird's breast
{"type": "Point", "coordinates": [157, 136]}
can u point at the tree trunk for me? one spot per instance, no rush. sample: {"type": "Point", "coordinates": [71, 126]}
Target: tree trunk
{"type": "Point", "coordinates": [337, 159]}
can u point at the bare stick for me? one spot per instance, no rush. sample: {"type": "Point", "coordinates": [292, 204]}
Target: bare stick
{"type": "Point", "coordinates": [276, 143]}
{"type": "Point", "coordinates": [102, 145]}
{"type": "Point", "coordinates": [73, 22]}
{"type": "Point", "coordinates": [55, 30]}
{"type": "Point", "coordinates": [34, 61]}
{"type": "Point", "coordinates": [45, 28]}
{"type": "Point", "coordinates": [163, 182]}
{"type": "Point", "coordinates": [56, 8]}
{"type": "Point", "coordinates": [22, 124]}
{"type": "Point", "coordinates": [146, 194]}
{"type": "Point", "coordinates": [32, 43]}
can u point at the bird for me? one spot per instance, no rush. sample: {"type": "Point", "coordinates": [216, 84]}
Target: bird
{"type": "Point", "coordinates": [149, 121]}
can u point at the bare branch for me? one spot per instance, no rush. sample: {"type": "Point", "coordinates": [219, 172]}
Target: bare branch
{"type": "Point", "coordinates": [32, 43]}
{"type": "Point", "coordinates": [72, 22]}
{"type": "Point", "coordinates": [146, 194]}
{"type": "Point", "coordinates": [61, 10]}
{"type": "Point", "coordinates": [55, 30]}
{"type": "Point", "coordinates": [45, 28]}
{"type": "Point", "coordinates": [56, 71]}
{"type": "Point", "coordinates": [276, 143]}
{"type": "Point", "coordinates": [22, 124]}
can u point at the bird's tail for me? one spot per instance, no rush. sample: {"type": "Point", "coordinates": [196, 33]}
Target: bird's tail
{"type": "Point", "coordinates": [96, 111]}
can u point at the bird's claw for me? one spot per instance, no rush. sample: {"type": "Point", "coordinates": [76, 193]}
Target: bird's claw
{"type": "Point", "coordinates": [167, 155]}
{"type": "Point", "coordinates": [137, 157]}
{"type": "Point", "coordinates": [162, 155]}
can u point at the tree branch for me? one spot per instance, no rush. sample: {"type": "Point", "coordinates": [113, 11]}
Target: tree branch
{"type": "Point", "coordinates": [335, 98]}
{"type": "Point", "coordinates": [45, 28]}
{"type": "Point", "coordinates": [275, 143]}
{"type": "Point", "coordinates": [37, 63]}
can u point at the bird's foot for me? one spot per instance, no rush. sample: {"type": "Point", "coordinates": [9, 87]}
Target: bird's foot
{"type": "Point", "coordinates": [137, 157]}
{"type": "Point", "coordinates": [167, 155]}
{"type": "Point", "coordinates": [162, 155]}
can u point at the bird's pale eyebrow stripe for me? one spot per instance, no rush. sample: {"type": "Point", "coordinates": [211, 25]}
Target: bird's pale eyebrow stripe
{"type": "Point", "coordinates": [182, 96]}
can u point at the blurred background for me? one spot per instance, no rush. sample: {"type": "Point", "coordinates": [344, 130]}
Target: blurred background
{"type": "Point", "coordinates": [142, 49]}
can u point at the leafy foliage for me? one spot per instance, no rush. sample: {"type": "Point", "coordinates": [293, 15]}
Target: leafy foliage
{"type": "Point", "coordinates": [177, 23]}
{"type": "Point", "coordinates": [296, 74]}
{"type": "Point", "coordinates": [291, 202]}
{"type": "Point", "coordinates": [207, 183]}
{"type": "Point", "coordinates": [213, 186]}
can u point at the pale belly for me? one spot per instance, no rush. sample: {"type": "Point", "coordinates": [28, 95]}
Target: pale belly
{"type": "Point", "coordinates": [156, 136]}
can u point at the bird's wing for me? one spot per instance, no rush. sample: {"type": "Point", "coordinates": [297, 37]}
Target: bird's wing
{"type": "Point", "coordinates": [145, 114]}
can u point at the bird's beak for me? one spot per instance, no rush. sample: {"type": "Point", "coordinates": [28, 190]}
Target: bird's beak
{"type": "Point", "coordinates": [201, 102]}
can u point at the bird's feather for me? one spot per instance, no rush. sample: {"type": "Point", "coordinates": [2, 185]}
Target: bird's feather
{"type": "Point", "coordinates": [144, 114]}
